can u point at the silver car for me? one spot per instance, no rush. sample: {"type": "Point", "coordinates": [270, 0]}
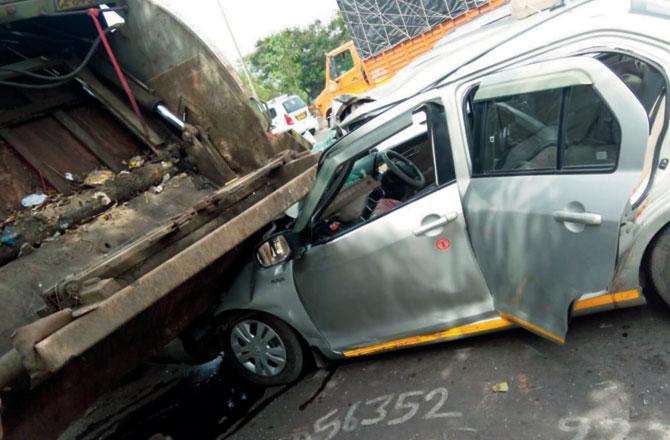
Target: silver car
{"type": "Point", "coordinates": [526, 185]}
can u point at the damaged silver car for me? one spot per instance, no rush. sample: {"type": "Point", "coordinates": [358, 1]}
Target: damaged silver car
{"type": "Point", "coordinates": [526, 186]}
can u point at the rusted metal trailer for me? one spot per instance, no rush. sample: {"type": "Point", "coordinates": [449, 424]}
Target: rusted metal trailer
{"type": "Point", "coordinates": [147, 173]}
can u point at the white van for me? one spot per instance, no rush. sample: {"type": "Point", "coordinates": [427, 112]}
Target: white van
{"type": "Point", "coordinates": [289, 112]}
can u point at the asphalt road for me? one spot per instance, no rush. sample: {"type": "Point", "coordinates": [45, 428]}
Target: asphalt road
{"type": "Point", "coordinates": [610, 381]}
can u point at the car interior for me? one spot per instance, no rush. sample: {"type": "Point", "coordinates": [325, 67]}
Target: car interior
{"type": "Point", "coordinates": [521, 132]}
{"type": "Point", "coordinates": [392, 173]}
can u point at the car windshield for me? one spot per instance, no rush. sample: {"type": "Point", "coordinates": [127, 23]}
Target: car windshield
{"type": "Point", "coordinates": [363, 166]}
{"type": "Point", "coordinates": [294, 104]}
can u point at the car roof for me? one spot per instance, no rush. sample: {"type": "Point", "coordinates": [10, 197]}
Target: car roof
{"type": "Point", "coordinates": [500, 39]}
{"type": "Point", "coordinates": [281, 99]}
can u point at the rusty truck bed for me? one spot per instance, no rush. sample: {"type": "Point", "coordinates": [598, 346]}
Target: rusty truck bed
{"type": "Point", "coordinates": [138, 217]}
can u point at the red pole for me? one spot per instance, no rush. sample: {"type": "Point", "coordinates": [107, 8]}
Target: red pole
{"type": "Point", "coordinates": [94, 14]}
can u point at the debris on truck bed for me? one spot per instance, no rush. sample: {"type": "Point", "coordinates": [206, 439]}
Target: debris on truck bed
{"type": "Point", "coordinates": [133, 174]}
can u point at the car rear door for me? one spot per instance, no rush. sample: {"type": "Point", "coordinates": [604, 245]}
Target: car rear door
{"type": "Point", "coordinates": [556, 149]}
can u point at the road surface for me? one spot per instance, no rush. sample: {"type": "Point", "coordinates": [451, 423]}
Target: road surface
{"type": "Point", "coordinates": [610, 381]}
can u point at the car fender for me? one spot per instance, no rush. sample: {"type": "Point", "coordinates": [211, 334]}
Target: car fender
{"type": "Point", "coordinates": [272, 291]}
{"type": "Point", "coordinates": [637, 234]}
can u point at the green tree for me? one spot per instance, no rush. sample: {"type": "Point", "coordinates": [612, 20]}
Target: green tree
{"type": "Point", "coordinates": [293, 60]}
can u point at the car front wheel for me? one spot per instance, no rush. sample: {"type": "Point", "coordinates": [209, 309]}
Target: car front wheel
{"type": "Point", "coordinates": [264, 350]}
{"type": "Point", "coordinates": [660, 265]}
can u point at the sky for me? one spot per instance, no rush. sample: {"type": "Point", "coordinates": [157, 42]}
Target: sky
{"type": "Point", "coordinates": [250, 20]}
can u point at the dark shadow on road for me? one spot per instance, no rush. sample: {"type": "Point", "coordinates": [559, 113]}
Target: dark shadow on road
{"type": "Point", "coordinates": [324, 383]}
{"type": "Point", "coordinates": [610, 370]}
{"type": "Point", "coordinates": [183, 402]}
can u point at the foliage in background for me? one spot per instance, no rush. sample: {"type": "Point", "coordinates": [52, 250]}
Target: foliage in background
{"type": "Point", "coordinates": [293, 60]}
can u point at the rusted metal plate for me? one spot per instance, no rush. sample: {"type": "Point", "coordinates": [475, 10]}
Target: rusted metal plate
{"type": "Point", "coordinates": [107, 131]}
{"type": "Point", "coordinates": [166, 238]}
{"type": "Point", "coordinates": [34, 104]}
{"type": "Point", "coordinates": [52, 150]}
{"type": "Point", "coordinates": [44, 412]}
{"type": "Point", "coordinates": [87, 139]}
{"type": "Point", "coordinates": [152, 315]}
{"type": "Point", "coordinates": [72, 252]}
{"type": "Point", "coordinates": [17, 180]}
{"type": "Point", "coordinates": [85, 332]}
{"type": "Point", "coordinates": [116, 105]}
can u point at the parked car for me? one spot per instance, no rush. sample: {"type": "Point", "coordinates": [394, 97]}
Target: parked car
{"type": "Point", "coordinates": [528, 186]}
{"type": "Point", "coordinates": [289, 112]}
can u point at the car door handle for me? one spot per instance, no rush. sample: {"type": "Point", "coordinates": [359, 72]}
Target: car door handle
{"type": "Point", "coordinates": [441, 221]}
{"type": "Point", "coordinates": [584, 218]}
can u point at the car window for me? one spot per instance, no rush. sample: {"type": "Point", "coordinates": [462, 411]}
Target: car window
{"type": "Point", "coordinates": [516, 132]}
{"type": "Point", "coordinates": [592, 134]}
{"type": "Point", "coordinates": [273, 112]}
{"type": "Point", "coordinates": [547, 131]}
{"type": "Point", "coordinates": [645, 81]}
{"type": "Point", "coordinates": [341, 64]}
{"type": "Point", "coordinates": [372, 189]}
{"type": "Point", "coordinates": [294, 104]}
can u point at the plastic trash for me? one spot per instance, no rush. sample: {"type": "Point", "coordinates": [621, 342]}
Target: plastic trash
{"type": "Point", "coordinates": [8, 236]}
{"type": "Point", "coordinates": [33, 200]}
{"type": "Point", "coordinates": [103, 198]}
{"type": "Point", "coordinates": [135, 162]}
{"type": "Point", "coordinates": [501, 387]}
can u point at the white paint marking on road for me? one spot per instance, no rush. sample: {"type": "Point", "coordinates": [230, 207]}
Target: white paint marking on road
{"type": "Point", "coordinates": [579, 425]}
{"type": "Point", "coordinates": [407, 405]}
{"type": "Point", "coordinates": [381, 409]}
{"type": "Point", "coordinates": [434, 412]}
{"type": "Point", "coordinates": [612, 428]}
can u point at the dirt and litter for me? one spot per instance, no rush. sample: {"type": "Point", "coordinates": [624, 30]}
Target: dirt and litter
{"type": "Point", "coordinates": [33, 200]}
{"type": "Point", "coordinates": [501, 387]}
{"type": "Point", "coordinates": [98, 177]}
{"type": "Point", "coordinates": [65, 212]}
{"type": "Point", "coordinates": [127, 212]}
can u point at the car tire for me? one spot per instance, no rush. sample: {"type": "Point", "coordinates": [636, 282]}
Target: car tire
{"type": "Point", "coordinates": [260, 362]}
{"type": "Point", "coordinates": [659, 269]}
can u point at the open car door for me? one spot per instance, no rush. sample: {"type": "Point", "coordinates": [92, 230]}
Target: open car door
{"type": "Point", "coordinates": [556, 151]}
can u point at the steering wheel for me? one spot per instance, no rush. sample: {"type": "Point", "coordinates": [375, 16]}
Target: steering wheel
{"type": "Point", "coordinates": [389, 157]}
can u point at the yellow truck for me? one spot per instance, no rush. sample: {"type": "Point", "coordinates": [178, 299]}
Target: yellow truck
{"type": "Point", "coordinates": [387, 36]}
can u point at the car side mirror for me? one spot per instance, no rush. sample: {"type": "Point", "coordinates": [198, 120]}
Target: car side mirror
{"type": "Point", "coordinates": [273, 251]}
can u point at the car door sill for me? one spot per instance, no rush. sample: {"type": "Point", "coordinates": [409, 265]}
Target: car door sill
{"type": "Point", "coordinates": [587, 304]}
{"type": "Point", "coordinates": [479, 327]}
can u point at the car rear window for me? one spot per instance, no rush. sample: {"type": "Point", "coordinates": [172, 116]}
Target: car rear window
{"type": "Point", "coordinates": [529, 132]}
{"type": "Point", "coordinates": [294, 104]}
